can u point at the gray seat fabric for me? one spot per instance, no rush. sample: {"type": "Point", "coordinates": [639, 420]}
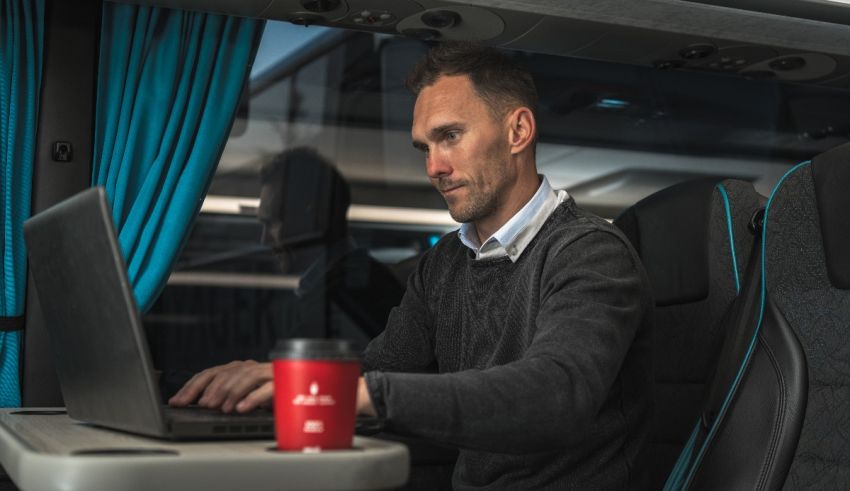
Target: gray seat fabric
{"type": "Point", "coordinates": [682, 235]}
{"type": "Point", "coordinates": [778, 415]}
{"type": "Point", "coordinates": [749, 425]}
{"type": "Point", "coordinates": [801, 278]}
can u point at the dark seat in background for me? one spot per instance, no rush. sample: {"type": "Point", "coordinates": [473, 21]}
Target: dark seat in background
{"type": "Point", "coordinates": [303, 205]}
{"type": "Point", "coordinates": [341, 290]}
{"type": "Point", "coordinates": [779, 411]}
{"type": "Point", "coordinates": [694, 241]}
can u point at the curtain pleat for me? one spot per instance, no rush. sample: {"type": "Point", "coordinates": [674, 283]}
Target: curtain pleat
{"type": "Point", "coordinates": [168, 85]}
{"type": "Point", "coordinates": [21, 55]}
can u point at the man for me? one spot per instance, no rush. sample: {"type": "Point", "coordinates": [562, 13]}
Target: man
{"type": "Point", "coordinates": [523, 339]}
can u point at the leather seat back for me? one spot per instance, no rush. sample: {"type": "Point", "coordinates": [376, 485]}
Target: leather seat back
{"type": "Point", "coordinates": [694, 242]}
{"type": "Point", "coordinates": [779, 407]}
{"type": "Point", "coordinates": [807, 258]}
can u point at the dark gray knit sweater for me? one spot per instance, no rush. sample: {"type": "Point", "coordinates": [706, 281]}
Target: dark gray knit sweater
{"type": "Point", "coordinates": [539, 370]}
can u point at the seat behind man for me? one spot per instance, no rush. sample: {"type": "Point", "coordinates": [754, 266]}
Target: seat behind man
{"type": "Point", "coordinates": [779, 408]}
{"type": "Point", "coordinates": [304, 201]}
{"type": "Point", "coordinates": [694, 242]}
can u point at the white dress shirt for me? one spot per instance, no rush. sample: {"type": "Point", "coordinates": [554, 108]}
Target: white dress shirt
{"type": "Point", "coordinates": [515, 235]}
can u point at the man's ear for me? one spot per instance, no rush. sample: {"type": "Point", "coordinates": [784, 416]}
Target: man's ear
{"type": "Point", "coordinates": [522, 129]}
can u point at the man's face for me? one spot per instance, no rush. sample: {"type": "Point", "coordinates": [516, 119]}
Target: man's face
{"type": "Point", "coordinates": [466, 148]}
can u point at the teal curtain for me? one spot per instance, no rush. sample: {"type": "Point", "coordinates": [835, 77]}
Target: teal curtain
{"type": "Point", "coordinates": [21, 54]}
{"type": "Point", "coordinates": [169, 83]}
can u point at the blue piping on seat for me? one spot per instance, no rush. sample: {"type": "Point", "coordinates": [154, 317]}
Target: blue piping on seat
{"type": "Point", "coordinates": [732, 251]}
{"type": "Point", "coordinates": [681, 466]}
{"type": "Point", "coordinates": [685, 457]}
{"type": "Point", "coordinates": [674, 482]}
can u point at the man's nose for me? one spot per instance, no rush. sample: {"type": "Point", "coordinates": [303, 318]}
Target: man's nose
{"type": "Point", "coordinates": [436, 165]}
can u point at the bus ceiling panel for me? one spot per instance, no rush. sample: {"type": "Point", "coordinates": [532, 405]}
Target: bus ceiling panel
{"type": "Point", "coordinates": [667, 34]}
{"type": "Point", "coordinates": [373, 15]}
{"type": "Point", "coordinates": [606, 42]}
{"type": "Point", "coordinates": [816, 26]}
{"type": "Point", "coordinates": [832, 11]}
{"type": "Point", "coordinates": [456, 23]}
{"type": "Point", "coordinates": [306, 12]}
{"type": "Point", "coordinates": [695, 19]}
{"type": "Point", "coordinates": [423, 19]}
{"type": "Point", "coordinates": [442, 22]}
{"type": "Point", "coordinates": [242, 8]}
{"type": "Point", "coordinates": [476, 23]}
{"type": "Point", "coordinates": [597, 40]}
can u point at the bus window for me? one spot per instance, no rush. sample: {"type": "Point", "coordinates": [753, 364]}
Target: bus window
{"type": "Point", "coordinates": [610, 134]}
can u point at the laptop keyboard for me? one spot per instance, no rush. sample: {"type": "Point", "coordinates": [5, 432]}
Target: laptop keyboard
{"type": "Point", "coordinates": [204, 414]}
{"type": "Point", "coordinates": [257, 421]}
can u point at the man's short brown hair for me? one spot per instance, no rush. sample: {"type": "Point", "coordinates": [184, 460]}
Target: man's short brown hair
{"type": "Point", "coordinates": [500, 81]}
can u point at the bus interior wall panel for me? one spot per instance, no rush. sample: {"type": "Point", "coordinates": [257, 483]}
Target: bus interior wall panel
{"type": "Point", "coordinates": [66, 115]}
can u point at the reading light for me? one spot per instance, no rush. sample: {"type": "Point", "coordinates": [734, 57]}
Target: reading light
{"type": "Point", "coordinates": [611, 103]}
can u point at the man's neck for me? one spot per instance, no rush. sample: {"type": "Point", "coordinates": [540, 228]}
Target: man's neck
{"type": "Point", "coordinates": [519, 195]}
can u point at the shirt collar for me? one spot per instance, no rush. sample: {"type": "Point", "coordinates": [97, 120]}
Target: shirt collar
{"type": "Point", "coordinates": [515, 235]}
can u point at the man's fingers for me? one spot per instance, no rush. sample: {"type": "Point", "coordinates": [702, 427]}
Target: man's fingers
{"type": "Point", "coordinates": [212, 392]}
{"type": "Point", "coordinates": [231, 383]}
{"type": "Point", "coordinates": [200, 383]}
{"type": "Point", "coordinates": [238, 385]}
{"type": "Point", "coordinates": [261, 396]}
{"type": "Point", "coordinates": [193, 388]}
{"type": "Point", "coordinates": [243, 383]}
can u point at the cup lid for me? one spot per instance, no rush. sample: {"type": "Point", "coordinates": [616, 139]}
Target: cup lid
{"type": "Point", "coordinates": [314, 349]}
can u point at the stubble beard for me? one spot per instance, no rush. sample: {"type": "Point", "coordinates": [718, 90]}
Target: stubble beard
{"type": "Point", "coordinates": [481, 203]}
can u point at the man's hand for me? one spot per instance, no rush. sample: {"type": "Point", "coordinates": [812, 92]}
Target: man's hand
{"type": "Point", "coordinates": [239, 385]}
{"type": "Point", "coordinates": [243, 386]}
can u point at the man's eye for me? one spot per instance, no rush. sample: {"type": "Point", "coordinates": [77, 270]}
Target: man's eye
{"type": "Point", "coordinates": [453, 135]}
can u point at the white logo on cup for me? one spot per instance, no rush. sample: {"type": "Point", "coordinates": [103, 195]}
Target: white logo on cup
{"type": "Point", "coordinates": [314, 426]}
{"type": "Point", "coordinates": [314, 398]}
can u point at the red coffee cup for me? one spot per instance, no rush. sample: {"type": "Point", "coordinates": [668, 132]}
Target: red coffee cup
{"type": "Point", "coordinates": [315, 394]}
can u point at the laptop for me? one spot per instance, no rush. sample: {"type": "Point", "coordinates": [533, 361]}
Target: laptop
{"type": "Point", "coordinates": [96, 336]}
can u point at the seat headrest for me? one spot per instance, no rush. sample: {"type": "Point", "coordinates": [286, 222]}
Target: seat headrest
{"type": "Point", "coordinates": [831, 175]}
{"type": "Point", "coordinates": [306, 196]}
{"type": "Point", "coordinates": [669, 230]}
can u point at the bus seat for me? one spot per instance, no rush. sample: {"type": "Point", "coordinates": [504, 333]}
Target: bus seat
{"type": "Point", "coordinates": [779, 410]}
{"type": "Point", "coordinates": [308, 199]}
{"type": "Point", "coordinates": [685, 236]}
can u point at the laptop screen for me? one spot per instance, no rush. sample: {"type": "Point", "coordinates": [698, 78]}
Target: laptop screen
{"type": "Point", "coordinates": [96, 335]}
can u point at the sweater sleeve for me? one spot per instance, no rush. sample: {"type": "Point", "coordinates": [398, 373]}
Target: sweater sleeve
{"type": "Point", "coordinates": [406, 344]}
{"type": "Point", "coordinates": [590, 309]}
